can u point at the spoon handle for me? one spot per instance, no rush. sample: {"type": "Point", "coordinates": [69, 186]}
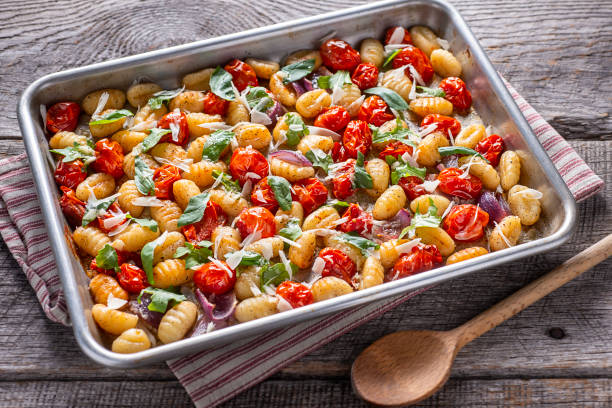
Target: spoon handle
{"type": "Point", "coordinates": [533, 292]}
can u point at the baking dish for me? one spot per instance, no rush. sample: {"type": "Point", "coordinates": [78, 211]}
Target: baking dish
{"type": "Point", "coordinates": [165, 67]}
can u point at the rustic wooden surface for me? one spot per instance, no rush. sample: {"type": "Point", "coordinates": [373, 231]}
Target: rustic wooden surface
{"type": "Point", "coordinates": [557, 53]}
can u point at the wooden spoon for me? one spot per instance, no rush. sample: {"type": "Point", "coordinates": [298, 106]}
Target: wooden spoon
{"type": "Point", "coordinates": [406, 367]}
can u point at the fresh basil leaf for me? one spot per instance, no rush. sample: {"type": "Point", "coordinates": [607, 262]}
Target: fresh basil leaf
{"type": "Point", "coordinates": [75, 152]}
{"type": "Point", "coordinates": [431, 91]}
{"type": "Point", "coordinates": [143, 176]}
{"type": "Point", "coordinates": [282, 191]}
{"type": "Point", "coordinates": [466, 151]}
{"type": "Point", "coordinates": [320, 159]}
{"type": "Point", "coordinates": [93, 208]}
{"type": "Point", "coordinates": [391, 97]}
{"type": "Point", "coordinates": [196, 254]}
{"type": "Point", "coordinates": [112, 117]}
{"type": "Point", "coordinates": [275, 274]}
{"type": "Point", "coordinates": [390, 58]}
{"type": "Point", "coordinates": [337, 80]}
{"type": "Point", "coordinates": [161, 298]}
{"type": "Point", "coordinates": [338, 203]}
{"type": "Point", "coordinates": [146, 256]}
{"type": "Point", "coordinates": [429, 219]}
{"type": "Point", "coordinates": [390, 159]}
{"type": "Point", "coordinates": [158, 98]}
{"type": "Point", "coordinates": [406, 170]}
{"type": "Point", "coordinates": [107, 258]}
{"type": "Point", "coordinates": [227, 182]}
{"type": "Point", "coordinates": [298, 70]}
{"type": "Point", "coordinates": [364, 245]}
{"type": "Point", "coordinates": [297, 129]}
{"type": "Point", "coordinates": [362, 179]}
{"type": "Point", "coordinates": [250, 258]}
{"type": "Point", "coordinates": [153, 138]}
{"type": "Point", "coordinates": [215, 143]}
{"type": "Point", "coordinates": [399, 133]}
{"type": "Point", "coordinates": [323, 82]}
{"type": "Point", "coordinates": [221, 84]}
{"type": "Point", "coordinates": [258, 99]}
{"type": "Point", "coordinates": [291, 231]}
{"type": "Point", "coordinates": [195, 209]}
{"type": "Point", "coordinates": [144, 222]}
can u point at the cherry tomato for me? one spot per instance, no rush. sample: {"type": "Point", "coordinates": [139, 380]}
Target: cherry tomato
{"type": "Point", "coordinates": [72, 207]}
{"type": "Point", "coordinates": [248, 160]}
{"type": "Point", "coordinates": [334, 118]}
{"type": "Point", "coordinates": [132, 278]}
{"type": "Point", "coordinates": [405, 36]}
{"type": "Point", "coordinates": [411, 55]}
{"type": "Point", "coordinates": [466, 222]}
{"type": "Point", "coordinates": [339, 153]}
{"type": "Point", "coordinates": [70, 174]}
{"type": "Point", "coordinates": [365, 76]}
{"type": "Point", "coordinates": [339, 55]}
{"type": "Point", "coordinates": [243, 74]}
{"type": "Point", "coordinates": [338, 264]}
{"type": "Point", "coordinates": [179, 119]}
{"type": "Point", "coordinates": [296, 294]}
{"type": "Point", "coordinates": [413, 187]}
{"type": "Point", "coordinates": [374, 110]}
{"type": "Point", "coordinates": [109, 158]}
{"type": "Point", "coordinates": [462, 187]}
{"type": "Point", "coordinates": [357, 137]}
{"type": "Point", "coordinates": [359, 220]}
{"type": "Point", "coordinates": [443, 124]}
{"type": "Point", "coordinates": [63, 116]}
{"type": "Point", "coordinates": [113, 211]}
{"type": "Point", "coordinates": [202, 230]}
{"type": "Point", "coordinates": [263, 196]}
{"type": "Point", "coordinates": [343, 181]}
{"type": "Point", "coordinates": [491, 148]}
{"type": "Point", "coordinates": [213, 105]}
{"type": "Point", "coordinates": [93, 265]}
{"type": "Point", "coordinates": [420, 259]}
{"type": "Point", "coordinates": [164, 177]}
{"type": "Point", "coordinates": [212, 278]}
{"type": "Point", "coordinates": [395, 149]}
{"type": "Point", "coordinates": [256, 219]}
{"type": "Point", "coordinates": [311, 193]}
{"type": "Point", "coordinates": [456, 93]}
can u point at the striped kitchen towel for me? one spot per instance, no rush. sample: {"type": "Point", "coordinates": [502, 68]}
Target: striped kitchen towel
{"type": "Point", "coordinates": [213, 376]}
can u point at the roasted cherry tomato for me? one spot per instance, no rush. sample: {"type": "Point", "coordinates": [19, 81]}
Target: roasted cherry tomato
{"type": "Point", "coordinates": [263, 196]}
{"type": "Point", "coordinates": [334, 118]}
{"type": "Point", "coordinates": [62, 116]}
{"type": "Point", "coordinates": [339, 153]}
{"type": "Point", "coordinates": [202, 230]}
{"type": "Point", "coordinates": [374, 110]}
{"type": "Point", "coordinates": [413, 187]}
{"type": "Point", "coordinates": [311, 193]}
{"type": "Point", "coordinates": [179, 120]}
{"type": "Point", "coordinates": [215, 278]}
{"type": "Point", "coordinates": [456, 93]}
{"type": "Point", "coordinates": [491, 148]}
{"type": "Point", "coordinates": [339, 55]}
{"type": "Point", "coordinates": [70, 174]}
{"type": "Point", "coordinates": [132, 278]}
{"type": "Point", "coordinates": [115, 214]}
{"type": "Point", "coordinates": [343, 180]}
{"type": "Point", "coordinates": [296, 294]}
{"type": "Point", "coordinates": [454, 183]}
{"type": "Point", "coordinates": [466, 222]}
{"type": "Point", "coordinates": [443, 124]}
{"type": "Point", "coordinates": [109, 158]}
{"type": "Point", "coordinates": [248, 160]}
{"type": "Point", "coordinates": [420, 259]}
{"type": "Point", "coordinates": [256, 219]}
{"type": "Point", "coordinates": [93, 265]}
{"type": "Point", "coordinates": [243, 75]}
{"type": "Point", "coordinates": [213, 105]}
{"type": "Point", "coordinates": [72, 207]}
{"type": "Point", "coordinates": [164, 177]}
{"type": "Point", "coordinates": [411, 55]}
{"type": "Point", "coordinates": [399, 37]}
{"type": "Point", "coordinates": [357, 137]}
{"type": "Point", "coordinates": [395, 149]}
{"type": "Point", "coordinates": [359, 220]}
{"type": "Point", "coordinates": [365, 76]}
{"type": "Point", "coordinates": [338, 264]}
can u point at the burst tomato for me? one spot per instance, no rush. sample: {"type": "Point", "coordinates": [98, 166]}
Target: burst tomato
{"type": "Point", "coordinates": [466, 222]}
{"type": "Point", "coordinates": [403, 35]}
{"type": "Point", "coordinates": [395, 149]}
{"type": "Point", "coordinates": [213, 105]}
{"type": "Point", "coordinates": [359, 220]}
{"type": "Point", "coordinates": [243, 75]}
{"type": "Point", "coordinates": [215, 278]}
{"type": "Point", "coordinates": [296, 294]}
{"type": "Point", "coordinates": [462, 187]}
{"type": "Point", "coordinates": [343, 180]}
{"type": "Point", "coordinates": [338, 264]}
{"type": "Point", "coordinates": [374, 110]}
{"type": "Point", "coordinates": [334, 118]}
{"type": "Point", "coordinates": [456, 93]}
{"type": "Point", "coordinates": [113, 211]}
{"type": "Point", "coordinates": [248, 160]}
{"type": "Point", "coordinates": [179, 121]}
{"type": "Point", "coordinates": [413, 187]}
{"type": "Point", "coordinates": [263, 196]}
{"type": "Point", "coordinates": [256, 219]}
{"type": "Point", "coordinates": [357, 137]}
{"type": "Point", "coordinates": [132, 278]}
{"type": "Point", "coordinates": [420, 259]}
{"type": "Point", "coordinates": [411, 55]}
{"type": "Point", "coordinates": [202, 230]}
{"type": "Point", "coordinates": [72, 207]}
{"type": "Point", "coordinates": [365, 76]}
{"type": "Point", "coordinates": [62, 116]}
{"type": "Point", "coordinates": [443, 124]}
{"type": "Point", "coordinates": [164, 177]}
{"type": "Point", "coordinates": [491, 148]}
{"type": "Point", "coordinates": [339, 153]}
{"type": "Point", "coordinates": [311, 193]}
{"type": "Point", "coordinates": [70, 174]}
{"type": "Point", "coordinates": [109, 158]}
{"type": "Point", "coordinates": [339, 55]}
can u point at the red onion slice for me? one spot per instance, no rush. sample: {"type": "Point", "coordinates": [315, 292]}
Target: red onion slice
{"type": "Point", "coordinates": [217, 310]}
{"type": "Point", "coordinates": [404, 217]}
{"type": "Point", "coordinates": [276, 111]}
{"type": "Point", "coordinates": [496, 207]}
{"type": "Point", "coordinates": [292, 157]}
{"type": "Point", "coordinates": [299, 89]}
{"type": "Point", "coordinates": [451, 161]}
{"type": "Point", "coordinates": [142, 310]}
{"type": "Point", "coordinates": [307, 84]}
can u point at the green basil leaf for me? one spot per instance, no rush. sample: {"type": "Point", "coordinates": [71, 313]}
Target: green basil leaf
{"type": "Point", "coordinates": [153, 138]}
{"type": "Point", "coordinates": [143, 176]}
{"type": "Point", "coordinates": [320, 159]}
{"type": "Point", "coordinates": [323, 82]}
{"type": "Point", "coordinates": [282, 191]}
{"type": "Point", "coordinates": [364, 245]}
{"type": "Point", "coordinates": [337, 80]}
{"type": "Point", "coordinates": [107, 258]}
{"type": "Point", "coordinates": [221, 84]}
{"type": "Point", "coordinates": [112, 117]}
{"type": "Point", "coordinates": [144, 222]}
{"type": "Point", "coordinates": [215, 143]}
{"type": "Point", "coordinates": [338, 203]}
{"type": "Point", "coordinates": [258, 99]}
{"type": "Point", "coordinates": [227, 182]}
{"type": "Point", "coordinates": [391, 97]}
{"type": "Point", "coordinates": [146, 256]}
{"type": "Point", "coordinates": [196, 254]}
{"type": "Point", "coordinates": [399, 133]}
{"type": "Point", "coordinates": [429, 219]}
{"type": "Point", "coordinates": [75, 152]}
{"type": "Point", "coordinates": [390, 58]}
{"type": "Point", "coordinates": [275, 274]}
{"type": "Point", "coordinates": [161, 298]}
{"type": "Point", "coordinates": [390, 159]}
{"type": "Point", "coordinates": [291, 231]}
{"type": "Point", "coordinates": [297, 129]}
{"type": "Point", "coordinates": [298, 70]}
{"type": "Point", "coordinates": [406, 170]}
{"type": "Point", "coordinates": [250, 259]}
{"type": "Point", "coordinates": [158, 98]}
{"type": "Point", "coordinates": [93, 208]}
{"type": "Point", "coordinates": [466, 151]}
{"type": "Point", "coordinates": [431, 91]}
{"type": "Point", "coordinates": [362, 179]}
{"type": "Point", "coordinates": [195, 209]}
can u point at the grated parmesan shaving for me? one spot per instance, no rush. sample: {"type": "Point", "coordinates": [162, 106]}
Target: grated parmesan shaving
{"type": "Point", "coordinates": [340, 221]}
{"type": "Point", "coordinates": [252, 175]}
{"type": "Point", "coordinates": [289, 242]}
{"type": "Point", "coordinates": [233, 259]}
{"type": "Point", "coordinates": [260, 118]}
{"type": "Point", "coordinates": [283, 305]}
{"type": "Point", "coordinates": [353, 108]}
{"type": "Point", "coordinates": [319, 131]}
{"type": "Point", "coordinates": [115, 302]}
{"type": "Point", "coordinates": [175, 128]}
{"type": "Point", "coordinates": [221, 265]}
{"type": "Point", "coordinates": [318, 265]}
{"type": "Point", "coordinates": [397, 36]}
{"type": "Point", "coordinates": [101, 104]}
{"type": "Point", "coordinates": [286, 262]}
{"type": "Point", "coordinates": [413, 93]}
{"type": "Point", "coordinates": [450, 137]}
{"type": "Point", "coordinates": [428, 129]}
{"type": "Point", "coordinates": [407, 246]}
{"type": "Point", "coordinates": [218, 242]}
{"type": "Point", "coordinates": [337, 95]}
{"type": "Point", "coordinates": [389, 48]}
{"type": "Point", "coordinates": [252, 237]}
{"type": "Point", "coordinates": [182, 164]}
{"type": "Point", "coordinates": [147, 201]}
{"type": "Point", "coordinates": [448, 209]}
{"type": "Point", "coordinates": [148, 124]}
{"type": "Point", "coordinates": [501, 233]}
{"type": "Point", "coordinates": [270, 290]}
{"type": "Point", "coordinates": [246, 189]}
{"type": "Point", "coordinates": [466, 167]}
{"type": "Point", "coordinates": [215, 126]}
{"type": "Point", "coordinates": [415, 74]}
{"type": "Point", "coordinates": [430, 185]}
{"type": "Point", "coordinates": [254, 289]}
{"type": "Point", "coordinates": [210, 327]}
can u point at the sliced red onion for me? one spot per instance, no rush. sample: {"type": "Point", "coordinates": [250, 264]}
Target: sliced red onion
{"type": "Point", "coordinates": [324, 71]}
{"type": "Point", "coordinates": [292, 157]}
{"type": "Point", "coordinates": [451, 161]}
{"type": "Point", "coordinates": [404, 217]}
{"type": "Point", "coordinates": [440, 167]}
{"type": "Point", "coordinates": [142, 310]}
{"type": "Point", "coordinates": [217, 308]}
{"type": "Point", "coordinates": [299, 89]}
{"type": "Point", "coordinates": [496, 207]}
{"type": "Point", "coordinates": [307, 84]}
{"type": "Point", "coordinates": [276, 111]}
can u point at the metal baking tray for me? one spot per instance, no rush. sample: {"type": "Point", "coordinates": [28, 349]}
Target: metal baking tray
{"type": "Point", "coordinates": [165, 67]}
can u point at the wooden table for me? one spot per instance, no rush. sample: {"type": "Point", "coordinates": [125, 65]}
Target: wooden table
{"type": "Point", "coordinates": [557, 53]}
